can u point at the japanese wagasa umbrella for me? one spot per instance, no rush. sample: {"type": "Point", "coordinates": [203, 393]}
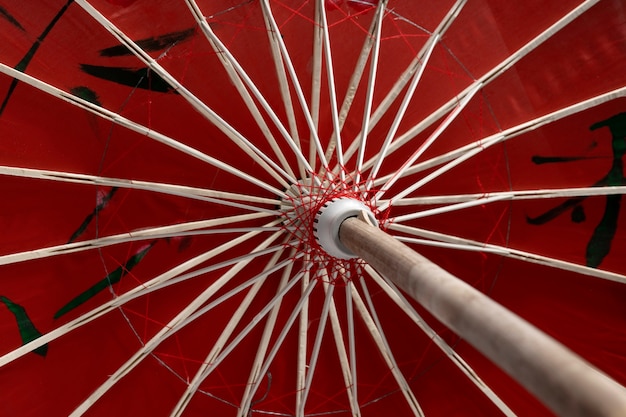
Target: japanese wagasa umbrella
{"type": "Point", "coordinates": [183, 184]}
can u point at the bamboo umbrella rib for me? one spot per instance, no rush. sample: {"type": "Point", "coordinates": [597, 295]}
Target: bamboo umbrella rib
{"type": "Point", "coordinates": [428, 142]}
{"type": "Point", "coordinates": [196, 315]}
{"type": "Point", "coordinates": [351, 339]}
{"type": "Point", "coordinates": [317, 344]}
{"type": "Point", "coordinates": [225, 334]}
{"type": "Point", "coordinates": [214, 267]}
{"type": "Point", "coordinates": [264, 343]}
{"type": "Point", "coordinates": [286, 327]}
{"type": "Point", "coordinates": [384, 149]}
{"type": "Point", "coordinates": [303, 336]}
{"type": "Point", "coordinates": [285, 91]}
{"type": "Point", "coordinates": [316, 86]}
{"type": "Point", "coordinates": [409, 72]}
{"type": "Point", "coordinates": [174, 325]}
{"type": "Point", "coordinates": [124, 298]}
{"type": "Point", "coordinates": [203, 194]}
{"type": "Point", "coordinates": [345, 361]}
{"type": "Point", "coordinates": [357, 73]}
{"type": "Point", "coordinates": [491, 75]}
{"type": "Point", "coordinates": [290, 137]}
{"type": "Point", "coordinates": [132, 236]}
{"type": "Point", "coordinates": [369, 96]}
{"type": "Point", "coordinates": [274, 32]}
{"type": "Point", "coordinates": [448, 245]}
{"type": "Point", "coordinates": [376, 332]}
{"type": "Point", "coordinates": [332, 89]}
{"type": "Point", "coordinates": [273, 305]}
{"type": "Point", "coordinates": [515, 131]}
{"type": "Point", "coordinates": [281, 59]}
{"type": "Point", "coordinates": [226, 59]}
{"type": "Point", "coordinates": [236, 137]}
{"type": "Point", "coordinates": [511, 253]}
{"type": "Point", "coordinates": [133, 126]}
{"type": "Point", "coordinates": [534, 194]}
{"type": "Point", "coordinates": [437, 173]}
{"type": "Point", "coordinates": [372, 42]}
{"type": "Point", "coordinates": [241, 287]}
{"type": "Point", "coordinates": [448, 209]}
{"type": "Point", "coordinates": [233, 344]}
{"type": "Point", "coordinates": [465, 152]}
{"type": "Point", "coordinates": [398, 298]}
{"type": "Point", "coordinates": [455, 158]}
{"type": "Point", "coordinates": [208, 367]}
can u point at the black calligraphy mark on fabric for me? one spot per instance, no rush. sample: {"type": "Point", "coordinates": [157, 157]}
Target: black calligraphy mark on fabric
{"type": "Point", "coordinates": [554, 159]}
{"type": "Point", "coordinates": [86, 94]}
{"type": "Point", "coordinates": [142, 78]}
{"type": "Point", "coordinates": [131, 77]}
{"type": "Point", "coordinates": [28, 331]}
{"type": "Point", "coordinates": [136, 78]}
{"type": "Point", "coordinates": [599, 244]}
{"type": "Point", "coordinates": [8, 17]}
{"type": "Point", "coordinates": [156, 43]}
{"type": "Point", "coordinates": [21, 66]}
{"type": "Point", "coordinates": [90, 96]}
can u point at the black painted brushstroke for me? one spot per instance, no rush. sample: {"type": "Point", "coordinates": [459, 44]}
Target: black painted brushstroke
{"type": "Point", "coordinates": [599, 244]}
{"type": "Point", "coordinates": [578, 214]}
{"type": "Point", "coordinates": [136, 78]}
{"type": "Point", "coordinates": [538, 160]}
{"type": "Point", "coordinates": [28, 331]}
{"type": "Point", "coordinates": [555, 212]}
{"type": "Point", "coordinates": [83, 226]}
{"type": "Point", "coordinates": [157, 43]}
{"type": "Point", "coordinates": [21, 66]}
{"type": "Point", "coordinates": [7, 16]}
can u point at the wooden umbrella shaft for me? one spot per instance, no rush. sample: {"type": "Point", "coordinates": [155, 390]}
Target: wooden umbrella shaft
{"type": "Point", "coordinates": [555, 375]}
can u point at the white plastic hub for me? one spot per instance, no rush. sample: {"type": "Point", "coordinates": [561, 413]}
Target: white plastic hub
{"type": "Point", "coordinates": [328, 221]}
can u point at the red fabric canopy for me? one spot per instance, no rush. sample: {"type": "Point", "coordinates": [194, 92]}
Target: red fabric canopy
{"type": "Point", "coordinates": [162, 163]}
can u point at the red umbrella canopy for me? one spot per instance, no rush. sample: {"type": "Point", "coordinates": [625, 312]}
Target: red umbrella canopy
{"type": "Point", "coordinates": [163, 165]}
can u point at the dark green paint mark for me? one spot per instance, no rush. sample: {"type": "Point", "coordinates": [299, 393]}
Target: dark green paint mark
{"type": "Point", "coordinates": [183, 243]}
{"type": "Point", "coordinates": [101, 205]}
{"type": "Point", "coordinates": [136, 78]}
{"type": "Point", "coordinates": [21, 66]}
{"type": "Point", "coordinates": [157, 43]}
{"type": "Point", "coordinates": [8, 17]}
{"type": "Point", "coordinates": [599, 244]}
{"type": "Point", "coordinates": [27, 329]}
{"type": "Point", "coordinates": [111, 279]}
{"type": "Point", "coordinates": [86, 94]}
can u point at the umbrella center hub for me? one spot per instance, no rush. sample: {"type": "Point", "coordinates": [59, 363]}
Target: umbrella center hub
{"type": "Point", "coordinates": [313, 213]}
{"type": "Point", "coordinates": [328, 221]}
